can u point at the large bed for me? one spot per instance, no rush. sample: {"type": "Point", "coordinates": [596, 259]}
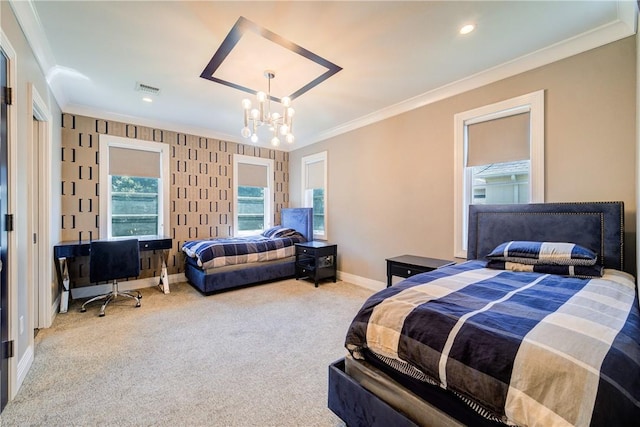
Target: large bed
{"type": "Point", "coordinates": [233, 271]}
{"type": "Point", "coordinates": [514, 344]}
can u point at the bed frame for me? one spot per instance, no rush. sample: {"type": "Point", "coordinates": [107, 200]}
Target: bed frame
{"type": "Point", "coordinates": [300, 219]}
{"type": "Point", "coordinates": [598, 226]}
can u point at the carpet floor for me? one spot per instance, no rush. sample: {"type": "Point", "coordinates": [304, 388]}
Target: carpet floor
{"type": "Point", "coordinates": [255, 356]}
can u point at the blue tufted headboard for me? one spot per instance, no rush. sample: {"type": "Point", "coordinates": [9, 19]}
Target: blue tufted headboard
{"type": "Point", "coordinates": [598, 226]}
{"type": "Point", "coordinates": [300, 219]}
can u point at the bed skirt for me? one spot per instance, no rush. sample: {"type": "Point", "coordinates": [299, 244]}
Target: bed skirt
{"type": "Point", "coordinates": [250, 274]}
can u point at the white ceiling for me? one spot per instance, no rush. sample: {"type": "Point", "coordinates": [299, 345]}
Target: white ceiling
{"type": "Point", "coordinates": [395, 55]}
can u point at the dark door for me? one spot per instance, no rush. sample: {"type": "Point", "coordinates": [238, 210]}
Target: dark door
{"type": "Point", "coordinates": [4, 303]}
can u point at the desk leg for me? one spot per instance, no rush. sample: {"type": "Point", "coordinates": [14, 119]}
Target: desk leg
{"type": "Point", "coordinates": [164, 277]}
{"type": "Point", "coordinates": [64, 272]}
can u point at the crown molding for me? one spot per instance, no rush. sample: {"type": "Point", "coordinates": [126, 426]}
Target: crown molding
{"type": "Point", "coordinates": [29, 21]}
{"type": "Point", "coordinates": [83, 110]}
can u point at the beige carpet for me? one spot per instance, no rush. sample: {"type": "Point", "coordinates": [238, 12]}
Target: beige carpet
{"type": "Point", "coordinates": [256, 356]}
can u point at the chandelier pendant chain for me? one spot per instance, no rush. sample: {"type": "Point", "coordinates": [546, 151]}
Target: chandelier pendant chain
{"type": "Point", "coordinates": [269, 76]}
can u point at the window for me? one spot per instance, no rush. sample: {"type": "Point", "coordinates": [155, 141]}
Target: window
{"type": "Point", "coordinates": [251, 208]}
{"type": "Point", "coordinates": [314, 191]}
{"type": "Point", "coordinates": [499, 158]}
{"type": "Point", "coordinates": [253, 191]}
{"type": "Point", "coordinates": [134, 187]}
{"type": "Point", "coordinates": [134, 205]}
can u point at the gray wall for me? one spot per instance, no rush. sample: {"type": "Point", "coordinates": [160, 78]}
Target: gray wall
{"type": "Point", "coordinates": [391, 184]}
{"type": "Point", "coordinates": [28, 72]}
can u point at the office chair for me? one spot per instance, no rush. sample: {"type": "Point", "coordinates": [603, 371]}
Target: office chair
{"type": "Point", "coordinates": [110, 260]}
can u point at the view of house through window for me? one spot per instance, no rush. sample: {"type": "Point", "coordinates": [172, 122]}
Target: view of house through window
{"type": "Point", "coordinates": [134, 206]}
{"type": "Point", "coordinates": [500, 183]}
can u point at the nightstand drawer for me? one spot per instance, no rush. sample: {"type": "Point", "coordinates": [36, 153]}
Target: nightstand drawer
{"type": "Point", "coordinates": [410, 265]}
{"type": "Point", "coordinates": [407, 270]}
{"type": "Point", "coordinates": [156, 244]}
{"type": "Point", "coordinates": [315, 252]}
{"type": "Point", "coordinates": [304, 270]}
{"type": "Point", "coordinates": [307, 251]}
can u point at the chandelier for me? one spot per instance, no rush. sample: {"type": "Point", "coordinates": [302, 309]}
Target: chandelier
{"type": "Point", "coordinates": [278, 124]}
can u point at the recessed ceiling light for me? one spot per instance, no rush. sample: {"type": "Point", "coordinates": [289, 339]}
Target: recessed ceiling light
{"type": "Point", "coordinates": [466, 29]}
{"type": "Point", "coordinates": [147, 99]}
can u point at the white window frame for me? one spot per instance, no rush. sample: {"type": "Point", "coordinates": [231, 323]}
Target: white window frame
{"type": "Point", "coordinates": [306, 162]}
{"type": "Point", "coordinates": [107, 141]}
{"type": "Point", "coordinates": [268, 197]}
{"type": "Point", "coordinates": [533, 103]}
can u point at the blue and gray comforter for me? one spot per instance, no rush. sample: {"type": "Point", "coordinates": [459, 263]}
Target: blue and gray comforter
{"type": "Point", "coordinates": [533, 349]}
{"type": "Point", "coordinates": [240, 250]}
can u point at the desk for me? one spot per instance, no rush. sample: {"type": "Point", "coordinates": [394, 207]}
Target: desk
{"type": "Point", "coordinates": [71, 249]}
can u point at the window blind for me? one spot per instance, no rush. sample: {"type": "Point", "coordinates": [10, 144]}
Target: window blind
{"type": "Point", "coordinates": [131, 162]}
{"type": "Point", "coordinates": [498, 141]}
{"type": "Point", "coordinates": [315, 175]}
{"type": "Point", "coordinates": [252, 175]}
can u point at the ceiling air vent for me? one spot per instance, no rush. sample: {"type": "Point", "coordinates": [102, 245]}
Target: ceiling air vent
{"type": "Point", "coordinates": [141, 87]}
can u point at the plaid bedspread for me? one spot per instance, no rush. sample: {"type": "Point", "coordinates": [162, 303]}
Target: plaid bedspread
{"type": "Point", "coordinates": [534, 349]}
{"type": "Point", "coordinates": [239, 250]}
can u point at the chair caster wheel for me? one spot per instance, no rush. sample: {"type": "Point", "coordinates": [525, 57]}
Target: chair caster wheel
{"type": "Point", "coordinates": [83, 310]}
{"type": "Point", "coordinates": [101, 315]}
{"type": "Point", "coordinates": [137, 305]}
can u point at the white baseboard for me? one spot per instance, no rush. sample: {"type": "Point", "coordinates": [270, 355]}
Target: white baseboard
{"type": "Point", "coordinates": [364, 282]}
{"type": "Point", "coordinates": [23, 368]}
{"type": "Point", "coordinates": [148, 282]}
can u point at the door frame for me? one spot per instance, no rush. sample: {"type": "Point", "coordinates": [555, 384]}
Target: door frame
{"type": "Point", "coordinates": [40, 278]}
{"type": "Point", "coordinates": [15, 380]}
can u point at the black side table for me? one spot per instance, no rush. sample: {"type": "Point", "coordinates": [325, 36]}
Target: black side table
{"type": "Point", "coordinates": [316, 260]}
{"type": "Point", "coordinates": [410, 265]}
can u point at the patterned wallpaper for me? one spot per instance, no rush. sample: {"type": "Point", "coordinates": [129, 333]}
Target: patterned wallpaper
{"type": "Point", "coordinates": [201, 201]}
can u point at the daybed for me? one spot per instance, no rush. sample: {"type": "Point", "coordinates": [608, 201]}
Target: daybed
{"type": "Point", "coordinates": [469, 345]}
{"type": "Point", "coordinates": [208, 278]}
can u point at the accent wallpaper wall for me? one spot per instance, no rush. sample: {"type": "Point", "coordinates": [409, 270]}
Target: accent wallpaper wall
{"type": "Point", "coordinates": [201, 195]}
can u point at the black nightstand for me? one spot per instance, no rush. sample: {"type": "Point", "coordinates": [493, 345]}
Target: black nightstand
{"type": "Point", "coordinates": [316, 260]}
{"type": "Point", "coordinates": [410, 265]}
